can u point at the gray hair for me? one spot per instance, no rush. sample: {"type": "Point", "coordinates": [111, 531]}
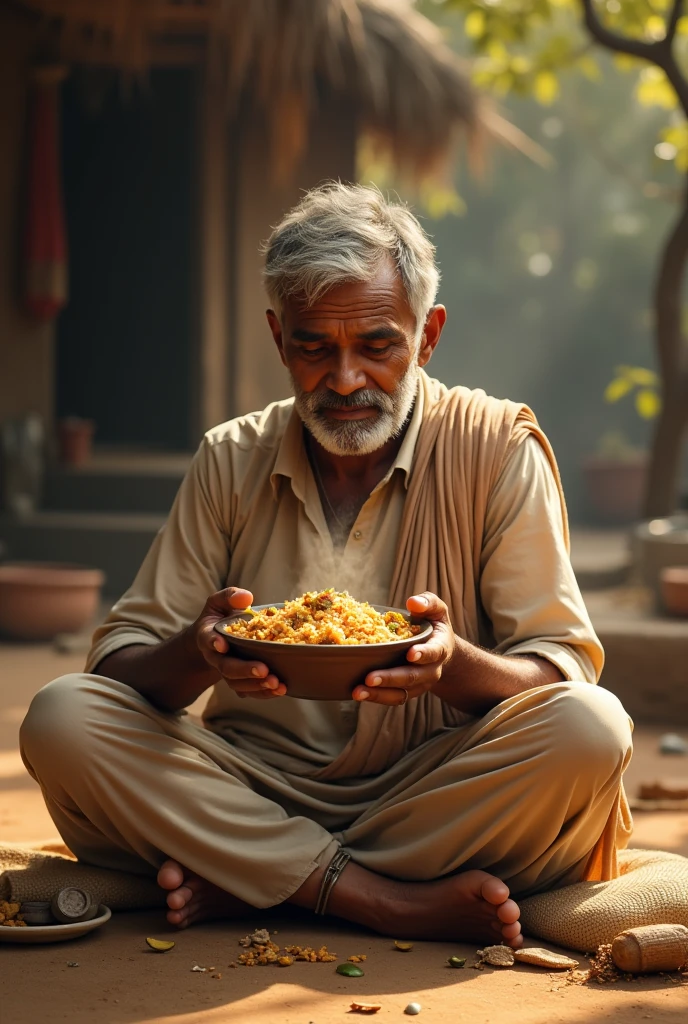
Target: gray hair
{"type": "Point", "coordinates": [341, 233]}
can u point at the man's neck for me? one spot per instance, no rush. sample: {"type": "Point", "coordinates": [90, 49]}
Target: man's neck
{"type": "Point", "coordinates": [345, 482]}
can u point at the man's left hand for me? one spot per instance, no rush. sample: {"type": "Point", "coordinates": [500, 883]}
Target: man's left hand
{"type": "Point", "coordinates": [426, 661]}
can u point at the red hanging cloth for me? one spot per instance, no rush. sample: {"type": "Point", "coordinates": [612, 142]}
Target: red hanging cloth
{"type": "Point", "coordinates": [45, 239]}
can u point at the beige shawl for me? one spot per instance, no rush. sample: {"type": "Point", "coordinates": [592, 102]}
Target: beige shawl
{"type": "Point", "coordinates": [464, 440]}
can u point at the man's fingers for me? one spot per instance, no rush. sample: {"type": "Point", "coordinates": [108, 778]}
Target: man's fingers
{"type": "Point", "coordinates": [233, 598]}
{"type": "Point", "coordinates": [220, 644]}
{"type": "Point", "coordinates": [225, 602]}
{"type": "Point", "coordinates": [428, 653]}
{"type": "Point", "coordinates": [428, 606]}
{"type": "Point", "coordinates": [258, 692]}
{"type": "Point", "coordinates": [404, 677]}
{"type": "Point", "coordinates": [383, 695]}
{"type": "Point", "coordinates": [236, 668]}
{"type": "Point", "coordinates": [281, 691]}
{"type": "Point", "coordinates": [253, 686]}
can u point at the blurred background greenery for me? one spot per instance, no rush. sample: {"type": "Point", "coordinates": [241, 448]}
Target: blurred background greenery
{"type": "Point", "coordinates": [548, 266]}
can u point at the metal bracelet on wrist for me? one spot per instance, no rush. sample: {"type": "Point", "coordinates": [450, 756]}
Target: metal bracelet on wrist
{"type": "Point", "coordinates": [331, 876]}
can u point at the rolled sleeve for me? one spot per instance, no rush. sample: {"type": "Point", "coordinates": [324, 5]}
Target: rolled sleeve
{"type": "Point", "coordinates": [527, 585]}
{"type": "Point", "coordinates": [188, 561]}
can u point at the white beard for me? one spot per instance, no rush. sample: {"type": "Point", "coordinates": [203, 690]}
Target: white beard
{"type": "Point", "coordinates": [357, 437]}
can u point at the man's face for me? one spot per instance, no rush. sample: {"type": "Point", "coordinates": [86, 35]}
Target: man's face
{"type": "Point", "coordinates": [353, 359]}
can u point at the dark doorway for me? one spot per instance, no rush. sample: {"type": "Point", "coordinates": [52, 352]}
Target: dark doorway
{"type": "Point", "coordinates": [124, 348]}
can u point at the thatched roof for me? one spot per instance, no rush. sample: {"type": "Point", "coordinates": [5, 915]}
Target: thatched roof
{"type": "Point", "coordinates": [410, 93]}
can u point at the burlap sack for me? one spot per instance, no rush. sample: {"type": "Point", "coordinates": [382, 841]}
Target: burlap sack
{"type": "Point", "coordinates": [651, 889]}
{"type": "Point", "coordinates": [37, 874]}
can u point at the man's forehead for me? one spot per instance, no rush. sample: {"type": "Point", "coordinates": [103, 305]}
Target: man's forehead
{"type": "Point", "coordinates": [381, 311]}
{"type": "Point", "coordinates": [382, 298]}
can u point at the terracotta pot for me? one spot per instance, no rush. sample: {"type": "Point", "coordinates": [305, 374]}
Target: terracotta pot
{"type": "Point", "coordinates": [41, 599]}
{"type": "Point", "coordinates": [616, 487]}
{"type": "Point", "coordinates": [674, 584]}
{"type": "Point", "coordinates": [75, 440]}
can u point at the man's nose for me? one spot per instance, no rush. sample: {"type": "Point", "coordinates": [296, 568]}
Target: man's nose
{"type": "Point", "coordinates": [347, 376]}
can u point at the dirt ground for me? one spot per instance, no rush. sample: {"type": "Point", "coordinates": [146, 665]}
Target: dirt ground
{"type": "Point", "coordinates": [120, 981]}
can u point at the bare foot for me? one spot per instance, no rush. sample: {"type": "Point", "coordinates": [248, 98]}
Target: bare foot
{"type": "Point", "coordinates": [192, 899]}
{"type": "Point", "coordinates": [472, 906]}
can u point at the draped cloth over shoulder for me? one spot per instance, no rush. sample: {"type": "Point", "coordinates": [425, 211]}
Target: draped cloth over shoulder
{"type": "Point", "coordinates": [464, 441]}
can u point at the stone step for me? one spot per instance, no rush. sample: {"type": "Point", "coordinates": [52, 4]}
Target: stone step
{"type": "Point", "coordinates": [646, 655]}
{"type": "Point", "coordinates": [116, 483]}
{"type": "Point", "coordinates": [114, 542]}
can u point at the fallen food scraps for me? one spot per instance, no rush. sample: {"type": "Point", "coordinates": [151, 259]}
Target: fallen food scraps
{"type": "Point", "coordinates": [160, 945]}
{"type": "Point", "coordinates": [659, 948]}
{"type": "Point", "coordinates": [10, 916]}
{"type": "Point", "coordinates": [260, 951]}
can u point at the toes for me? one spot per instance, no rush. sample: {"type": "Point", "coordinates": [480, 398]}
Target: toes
{"type": "Point", "coordinates": [175, 917]}
{"type": "Point", "coordinates": [494, 891]}
{"type": "Point", "coordinates": [170, 875]}
{"type": "Point", "coordinates": [195, 884]}
{"type": "Point", "coordinates": [510, 931]}
{"type": "Point", "coordinates": [178, 899]}
{"type": "Point", "coordinates": [508, 912]}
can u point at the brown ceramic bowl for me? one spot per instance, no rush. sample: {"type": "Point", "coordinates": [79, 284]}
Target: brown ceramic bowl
{"type": "Point", "coordinates": [323, 671]}
{"type": "Point", "coordinates": [674, 584]}
{"type": "Point", "coordinates": [38, 600]}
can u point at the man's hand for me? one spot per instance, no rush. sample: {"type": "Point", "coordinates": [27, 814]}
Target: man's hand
{"type": "Point", "coordinates": [427, 661]}
{"type": "Point", "coordinates": [246, 678]}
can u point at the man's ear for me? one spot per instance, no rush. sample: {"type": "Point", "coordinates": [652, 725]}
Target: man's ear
{"type": "Point", "coordinates": [276, 329]}
{"type": "Point", "coordinates": [437, 317]}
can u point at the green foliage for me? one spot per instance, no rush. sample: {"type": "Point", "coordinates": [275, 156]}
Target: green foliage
{"type": "Point", "coordinates": [523, 47]}
{"type": "Point", "coordinates": [645, 384]}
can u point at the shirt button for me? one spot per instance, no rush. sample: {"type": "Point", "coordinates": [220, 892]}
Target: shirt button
{"type": "Point", "coordinates": [358, 534]}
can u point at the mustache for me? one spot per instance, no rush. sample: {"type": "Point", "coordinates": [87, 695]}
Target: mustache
{"type": "Point", "coordinates": [364, 398]}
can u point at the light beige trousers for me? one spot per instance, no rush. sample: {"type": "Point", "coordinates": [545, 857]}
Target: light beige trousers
{"type": "Point", "coordinates": [524, 793]}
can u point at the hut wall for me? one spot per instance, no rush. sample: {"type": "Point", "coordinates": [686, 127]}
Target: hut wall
{"type": "Point", "coordinates": [257, 376]}
{"type": "Point", "coordinates": [26, 347]}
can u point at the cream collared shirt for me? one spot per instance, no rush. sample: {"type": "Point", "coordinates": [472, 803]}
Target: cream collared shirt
{"type": "Point", "coordinates": [251, 480]}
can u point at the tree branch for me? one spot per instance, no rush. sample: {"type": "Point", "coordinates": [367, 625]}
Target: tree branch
{"type": "Point", "coordinates": [676, 78]}
{"type": "Point", "coordinates": [668, 297]}
{"type": "Point", "coordinates": [620, 44]}
{"type": "Point", "coordinates": [676, 13]}
{"type": "Point", "coordinates": [660, 53]}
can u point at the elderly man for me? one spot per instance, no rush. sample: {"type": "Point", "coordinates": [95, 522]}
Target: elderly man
{"type": "Point", "coordinates": [487, 766]}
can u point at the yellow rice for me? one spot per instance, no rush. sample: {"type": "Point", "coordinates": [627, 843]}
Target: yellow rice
{"type": "Point", "coordinates": [324, 617]}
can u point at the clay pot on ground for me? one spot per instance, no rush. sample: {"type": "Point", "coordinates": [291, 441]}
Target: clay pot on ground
{"type": "Point", "coordinates": [616, 487]}
{"type": "Point", "coordinates": [38, 600]}
{"type": "Point", "coordinates": [657, 545]}
{"type": "Point", "coordinates": [674, 586]}
{"type": "Point", "coordinates": [75, 440]}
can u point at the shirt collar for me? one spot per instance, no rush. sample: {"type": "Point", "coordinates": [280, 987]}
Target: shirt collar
{"type": "Point", "coordinates": [292, 459]}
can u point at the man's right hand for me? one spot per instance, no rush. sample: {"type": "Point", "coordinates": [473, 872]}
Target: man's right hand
{"type": "Point", "coordinates": [246, 678]}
